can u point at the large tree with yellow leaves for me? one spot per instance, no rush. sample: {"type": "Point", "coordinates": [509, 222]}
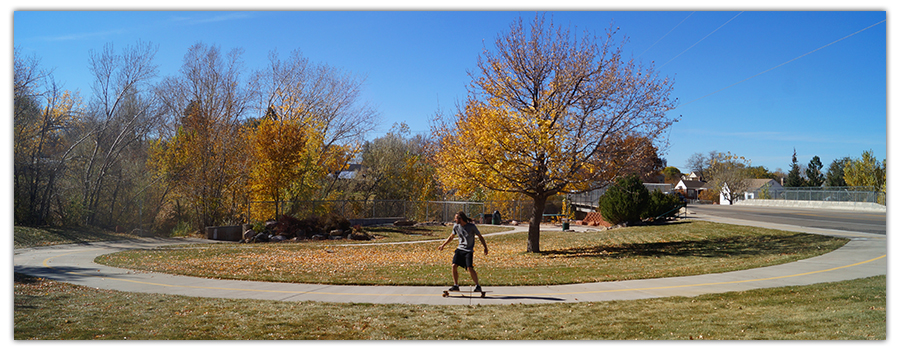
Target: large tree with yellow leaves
{"type": "Point", "coordinates": [551, 113]}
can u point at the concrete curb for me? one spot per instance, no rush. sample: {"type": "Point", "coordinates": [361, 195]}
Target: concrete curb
{"type": "Point", "coordinates": [828, 205]}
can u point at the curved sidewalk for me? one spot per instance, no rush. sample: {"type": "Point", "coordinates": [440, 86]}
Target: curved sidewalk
{"type": "Point", "coordinates": [864, 256]}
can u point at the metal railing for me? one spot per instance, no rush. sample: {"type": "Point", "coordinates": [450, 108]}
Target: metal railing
{"type": "Point", "coordinates": [826, 193]}
{"type": "Point", "coordinates": [591, 199]}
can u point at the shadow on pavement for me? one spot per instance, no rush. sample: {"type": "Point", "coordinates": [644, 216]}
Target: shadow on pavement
{"type": "Point", "coordinates": [505, 297]}
{"type": "Point", "coordinates": [62, 273]}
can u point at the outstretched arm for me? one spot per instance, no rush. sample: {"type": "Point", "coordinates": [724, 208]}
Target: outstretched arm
{"type": "Point", "coordinates": [450, 238]}
{"type": "Point", "coordinates": [483, 243]}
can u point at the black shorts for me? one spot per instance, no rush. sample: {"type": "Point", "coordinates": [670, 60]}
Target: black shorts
{"type": "Point", "coordinates": [463, 258]}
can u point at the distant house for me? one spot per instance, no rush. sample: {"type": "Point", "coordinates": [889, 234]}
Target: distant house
{"type": "Point", "coordinates": [663, 187]}
{"type": "Point", "coordinates": [693, 176]}
{"type": "Point", "coordinates": [350, 172]}
{"type": "Point", "coordinates": [755, 188]}
{"type": "Point", "coordinates": [691, 188]}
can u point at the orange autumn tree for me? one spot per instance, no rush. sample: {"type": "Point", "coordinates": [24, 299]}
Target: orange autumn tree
{"type": "Point", "coordinates": [548, 113]}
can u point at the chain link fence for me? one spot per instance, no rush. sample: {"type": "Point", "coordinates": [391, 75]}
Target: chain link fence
{"type": "Point", "coordinates": [421, 211]}
{"type": "Point", "coordinates": [826, 193]}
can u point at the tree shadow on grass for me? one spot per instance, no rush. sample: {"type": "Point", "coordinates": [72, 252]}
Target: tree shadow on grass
{"type": "Point", "coordinates": [663, 223]}
{"type": "Point", "coordinates": [719, 247]}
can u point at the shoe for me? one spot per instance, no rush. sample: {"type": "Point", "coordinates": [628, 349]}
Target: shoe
{"type": "Point", "coordinates": [455, 288]}
{"type": "Point", "coordinates": [477, 289]}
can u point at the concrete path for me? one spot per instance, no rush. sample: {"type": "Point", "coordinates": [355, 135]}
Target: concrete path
{"type": "Point", "coordinates": [865, 255]}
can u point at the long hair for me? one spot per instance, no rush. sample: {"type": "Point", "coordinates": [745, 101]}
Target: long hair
{"type": "Point", "coordinates": [462, 216]}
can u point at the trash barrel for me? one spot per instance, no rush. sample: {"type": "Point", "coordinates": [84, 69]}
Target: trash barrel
{"type": "Point", "coordinates": [227, 233]}
{"type": "Point", "coordinates": [495, 219]}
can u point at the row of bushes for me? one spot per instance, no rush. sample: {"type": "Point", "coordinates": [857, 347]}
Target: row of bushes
{"type": "Point", "coordinates": [629, 202]}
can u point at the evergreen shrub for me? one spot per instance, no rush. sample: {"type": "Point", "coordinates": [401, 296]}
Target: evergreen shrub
{"type": "Point", "coordinates": [661, 205]}
{"type": "Point", "coordinates": [625, 201]}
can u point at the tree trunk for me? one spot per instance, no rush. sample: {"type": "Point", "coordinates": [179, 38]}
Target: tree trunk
{"type": "Point", "coordinates": [534, 227]}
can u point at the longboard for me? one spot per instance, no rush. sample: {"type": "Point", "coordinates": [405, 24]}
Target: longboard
{"type": "Point", "coordinates": [463, 292]}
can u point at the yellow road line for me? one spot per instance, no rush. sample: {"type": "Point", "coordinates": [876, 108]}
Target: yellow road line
{"type": "Point", "coordinates": [46, 264]}
{"type": "Point", "coordinates": [729, 282]}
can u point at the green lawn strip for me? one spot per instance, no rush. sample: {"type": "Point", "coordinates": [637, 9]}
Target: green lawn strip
{"type": "Point", "coordinates": [682, 249]}
{"type": "Point", "coordinates": [848, 310]}
{"type": "Point", "coordinates": [29, 237]}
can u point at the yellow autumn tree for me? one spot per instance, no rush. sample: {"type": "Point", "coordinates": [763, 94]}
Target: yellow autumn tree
{"type": "Point", "coordinates": [204, 165]}
{"type": "Point", "coordinates": [313, 127]}
{"type": "Point", "coordinates": [289, 158]}
{"type": "Point", "coordinates": [548, 113]}
{"type": "Point", "coordinates": [279, 154]}
{"type": "Point", "coordinates": [200, 155]}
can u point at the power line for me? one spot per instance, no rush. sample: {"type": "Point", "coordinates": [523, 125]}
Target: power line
{"type": "Point", "coordinates": [667, 33]}
{"type": "Point", "coordinates": [701, 39]}
{"type": "Point", "coordinates": [784, 63]}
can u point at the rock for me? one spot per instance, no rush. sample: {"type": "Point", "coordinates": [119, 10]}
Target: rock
{"type": "Point", "coordinates": [277, 238]}
{"type": "Point", "coordinates": [427, 224]}
{"type": "Point", "coordinates": [336, 233]}
{"type": "Point", "coordinates": [514, 223]}
{"type": "Point", "coordinates": [319, 237]}
{"type": "Point", "coordinates": [249, 234]}
{"type": "Point", "coordinates": [360, 236]}
{"type": "Point", "coordinates": [141, 233]}
{"type": "Point", "coordinates": [404, 223]}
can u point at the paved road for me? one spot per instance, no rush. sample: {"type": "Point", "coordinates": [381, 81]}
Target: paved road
{"type": "Point", "coordinates": [865, 255]}
{"type": "Point", "coordinates": [866, 222]}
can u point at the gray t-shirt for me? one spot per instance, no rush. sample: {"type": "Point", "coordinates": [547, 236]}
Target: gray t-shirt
{"type": "Point", "coordinates": [466, 235]}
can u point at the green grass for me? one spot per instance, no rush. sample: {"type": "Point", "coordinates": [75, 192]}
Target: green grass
{"type": "Point", "coordinates": [849, 310]}
{"type": "Point", "coordinates": [681, 249]}
{"type": "Point", "coordinates": [28, 237]}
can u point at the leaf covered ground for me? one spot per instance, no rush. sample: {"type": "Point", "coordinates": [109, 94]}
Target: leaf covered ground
{"type": "Point", "coordinates": [679, 249]}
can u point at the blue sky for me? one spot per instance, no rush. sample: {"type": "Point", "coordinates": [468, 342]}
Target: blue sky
{"type": "Point", "coordinates": [830, 101]}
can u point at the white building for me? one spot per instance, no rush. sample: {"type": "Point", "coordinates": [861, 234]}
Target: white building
{"type": "Point", "coordinates": [756, 188]}
{"type": "Point", "coordinates": [691, 188]}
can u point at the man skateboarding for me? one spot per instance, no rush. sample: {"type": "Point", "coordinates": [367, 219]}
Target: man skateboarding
{"type": "Point", "coordinates": [466, 231]}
